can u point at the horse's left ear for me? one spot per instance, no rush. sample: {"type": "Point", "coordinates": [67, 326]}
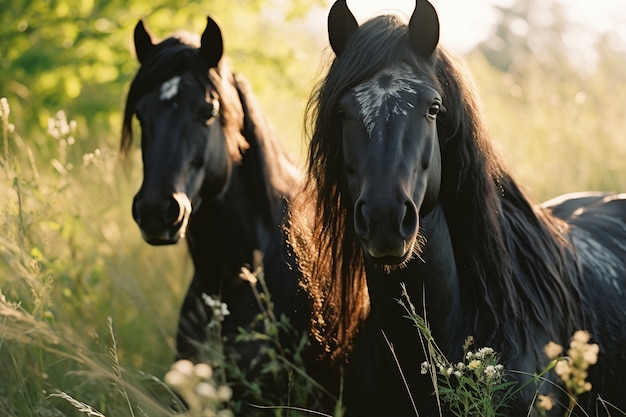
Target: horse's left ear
{"type": "Point", "coordinates": [143, 41]}
{"type": "Point", "coordinates": [424, 28]}
{"type": "Point", "coordinates": [211, 43]}
{"type": "Point", "coordinates": [341, 25]}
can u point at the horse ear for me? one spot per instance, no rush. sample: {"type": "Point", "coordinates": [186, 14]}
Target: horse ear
{"type": "Point", "coordinates": [211, 43]}
{"type": "Point", "coordinates": [143, 41]}
{"type": "Point", "coordinates": [341, 25]}
{"type": "Point", "coordinates": [424, 28]}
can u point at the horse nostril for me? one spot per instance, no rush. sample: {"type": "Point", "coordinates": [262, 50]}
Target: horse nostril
{"type": "Point", "coordinates": [360, 224]}
{"type": "Point", "coordinates": [409, 221]}
{"type": "Point", "coordinates": [173, 211]}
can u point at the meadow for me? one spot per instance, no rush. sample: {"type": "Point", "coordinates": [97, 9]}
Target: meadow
{"type": "Point", "coordinates": [88, 310]}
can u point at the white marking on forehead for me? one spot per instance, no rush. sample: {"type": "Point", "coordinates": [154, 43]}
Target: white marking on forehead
{"type": "Point", "coordinates": [382, 94]}
{"type": "Point", "coordinates": [169, 89]}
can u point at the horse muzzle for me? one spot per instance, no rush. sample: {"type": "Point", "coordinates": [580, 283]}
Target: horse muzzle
{"type": "Point", "coordinates": [386, 231]}
{"type": "Point", "coordinates": [162, 221]}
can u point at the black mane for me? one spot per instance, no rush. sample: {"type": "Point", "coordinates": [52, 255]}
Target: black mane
{"type": "Point", "coordinates": [264, 155]}
{"type": "Point", "coordinates": [511, 255]}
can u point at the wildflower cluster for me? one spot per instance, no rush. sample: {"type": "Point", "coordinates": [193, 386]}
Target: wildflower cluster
{"type": "Point", "coordinates": [474, 386]}
{"type": "Point", "coordinates": [91, 157]}
{"type": "Point", "coordinates": [196, 386]}
{"type": "Point", "coordinates": [6, 128]}
{"type": "Point", "coordinates": [62, 129]}
{"type": "Point", "coordinates": [219, 309]}
{"type": "Point", "coordinates": [572, 369]}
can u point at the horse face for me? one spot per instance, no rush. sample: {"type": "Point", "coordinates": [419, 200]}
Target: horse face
{"type": "Point", "coordinates": [389, 139]}
{"type": "Point", "coordinates": [183, 145]}
{"type": "Point", "coordinates": [392, 159]}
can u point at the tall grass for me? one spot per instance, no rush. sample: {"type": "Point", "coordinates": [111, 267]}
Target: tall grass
{"type": "Point", "coordinates": [88, 310]}
{"type": "Point", "coordinates": [75, 278]}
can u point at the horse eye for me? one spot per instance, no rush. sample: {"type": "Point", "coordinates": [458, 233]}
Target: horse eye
{"type": "Point", "coordinates": [433, 111]}
{"type": "Point", "coordinates": [197, 162]}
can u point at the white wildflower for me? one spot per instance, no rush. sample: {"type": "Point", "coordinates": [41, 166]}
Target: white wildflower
{"type": "Point", "coordinates": [175, 379]}
{"type": "Point", "coordinates": [219, 309]}
{"type": "Point", "coordinates": [490, 372]}
{"type": "Point", "coordinates": [203, 370]}
{"type": "Point", "coordinates": [206, 390]}
{"type": "Point", "coordinates": [184, 366]}
{"type": "Point", "coordinates": [224, 393]}
{"type": "Point", "coordinates": [483, 352]}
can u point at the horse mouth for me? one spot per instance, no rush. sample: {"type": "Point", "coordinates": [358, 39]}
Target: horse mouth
{"type": "Point", "coordinates": [396, 254]}
{"type": "Point", "coordinates": [167, 237]}
{"type": "Point", "coordinates": [161, 240]}
{"type": "Point", "coordinates": [389, 260]}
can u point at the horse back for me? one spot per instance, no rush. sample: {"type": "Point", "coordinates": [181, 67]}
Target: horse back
{"type": "Point", "coordinates": [597, 230]}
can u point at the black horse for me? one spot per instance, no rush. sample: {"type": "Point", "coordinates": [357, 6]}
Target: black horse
{"type": "Point", "coordinates": [215, 173]}
{"type": "Point", "coordinates": [406, 188]}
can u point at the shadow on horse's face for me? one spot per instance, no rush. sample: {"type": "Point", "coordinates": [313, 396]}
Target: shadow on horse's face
{"type": "Point", "coordinates": [183, 145]}
{"type": "Point", "coordinates": [391, 158]}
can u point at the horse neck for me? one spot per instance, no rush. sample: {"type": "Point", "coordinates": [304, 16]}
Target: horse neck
{"type": "Point", "coordinates": [432, 285]}
{"type": "Point", "coordinates": [241, 227]}
{"type": "Point", "coordinates": [237, 219]}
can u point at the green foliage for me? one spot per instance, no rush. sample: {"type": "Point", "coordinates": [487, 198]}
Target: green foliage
{"type": "Point", "coordinates": [478, 386]}
{"type": "Point", "coordinates": [59, 54]}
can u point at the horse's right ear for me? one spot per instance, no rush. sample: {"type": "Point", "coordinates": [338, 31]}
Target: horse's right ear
{"type": "Point", "coordinates": [143, 42]}
{"type": "Point", "coordinates": [211, 43]}
{"type": "Point", "coordinates": [341, 25]}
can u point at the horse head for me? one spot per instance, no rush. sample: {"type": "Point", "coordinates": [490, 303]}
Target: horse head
{"type": "Point", "coordinates": [389, 141]}
{"type": "Point", "coordinates": [176, 98]}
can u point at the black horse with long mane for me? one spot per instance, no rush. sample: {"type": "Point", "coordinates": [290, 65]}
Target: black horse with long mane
{"type": "Point", "coordinates": [215, 173]}
{"type": "Point", "coordinates": [404, 187]}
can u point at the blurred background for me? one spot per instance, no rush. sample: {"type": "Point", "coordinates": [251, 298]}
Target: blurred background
{"type": "Point", "coordinates": [551, 75]}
